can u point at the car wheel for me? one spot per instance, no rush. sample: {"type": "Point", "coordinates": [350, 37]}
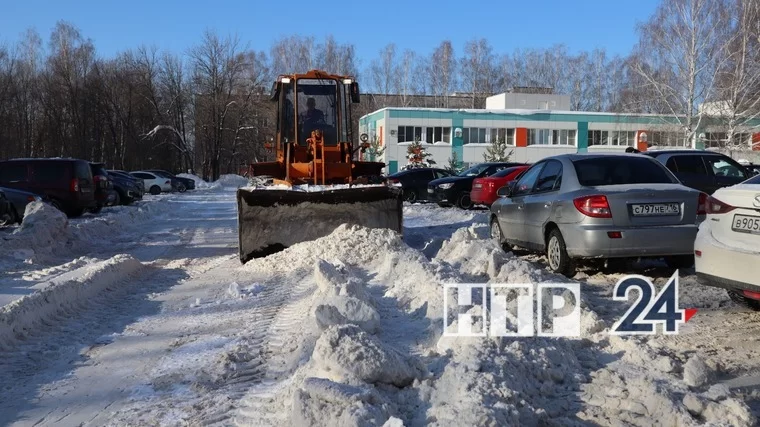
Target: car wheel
{"type": "Point", "coordinates": [155, 190]}
{"type": "Point", "coordinates": [556, 254]}
{"type": "Point", "coordinates": [744, 301]}
{"type": "Point", "coordinates": [181, 188]}
{"type": "Point", "coordinates": [464, 201]}
{"type": "Point", "coordinates": [679, 262]}
{"type": "Point", "coordinates": [410, 196]}
{"type": "Point", "coordinates": [7, 218]}
{"type": "Point", "coordinates": [117, 199]}
{"type": "Point", "coordinates": [497, 235]}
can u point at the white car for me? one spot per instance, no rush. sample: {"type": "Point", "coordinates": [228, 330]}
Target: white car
{"type": "Point", "coordinates": [154, 184]}
{"type": "Point", "coordinates": [727, 248]}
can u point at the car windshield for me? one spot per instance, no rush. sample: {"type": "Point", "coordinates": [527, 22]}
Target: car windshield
{"type": "Point", "coordinates": [474, 171]}
{"type": "Point", "coordinates": [617, 170]}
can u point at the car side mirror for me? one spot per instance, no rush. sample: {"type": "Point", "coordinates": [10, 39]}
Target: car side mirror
{"type": "Point", "coordinates": [504, 191]}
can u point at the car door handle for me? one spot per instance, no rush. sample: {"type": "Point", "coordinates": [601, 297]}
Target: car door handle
{"type": "Point", "coordinates": [548, 204]}
{"type": "Point", "coordinates": [520, 207]}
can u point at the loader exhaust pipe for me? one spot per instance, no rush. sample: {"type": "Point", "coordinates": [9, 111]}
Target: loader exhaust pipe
{"type": "Point", "coordinates": [270, 221]}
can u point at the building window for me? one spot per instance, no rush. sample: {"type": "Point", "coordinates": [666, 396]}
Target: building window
{"type": "Point", "coordinates": [667, 139]}
{"type": "Point", "coordinates": [623, 138]}
{"type": "Point", "coordinates": [488, 135]}
{"type": "Point", "coordinates": [563, 137]}
{"type": "Point", "coordinates": [598, 137]}
{"type": "Point", "coordinates": [425, 134]}
{"type": "Point", "coordinates": [539, 136]}
{"type": "Point", "coordinates": [551, 136]}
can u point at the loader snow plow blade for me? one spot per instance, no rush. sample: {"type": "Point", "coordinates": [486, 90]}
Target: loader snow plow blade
{"type": "Point", "coordinates": [272, 220]}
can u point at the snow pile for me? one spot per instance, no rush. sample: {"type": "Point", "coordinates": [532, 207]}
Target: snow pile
{"type": "Point", "coordinates": [347, 353]}
{"type": "Point", "coordinates": [42, 229]}
{"type": "Point", "coordinates": [46, 231]}
{"type": "Point", "coordinates": [320, 401]}
{"type": "Point", "coordinates": [472, 252]}
{"type": "Point", "coordinates": [232, 181]}
{"type": "Point", "coordinates": [200, 184]}
{"type": "Point", "coordinates": [60, 298]}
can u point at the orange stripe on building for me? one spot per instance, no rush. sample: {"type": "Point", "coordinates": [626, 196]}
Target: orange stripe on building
{"type": "Point", "coordinates": [521, 137]}
{"type": "Point", "coordinates": [641, 145]}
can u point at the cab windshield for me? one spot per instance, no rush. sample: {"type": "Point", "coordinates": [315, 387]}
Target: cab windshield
{"type": "Point", "coordinates": [317, 104]}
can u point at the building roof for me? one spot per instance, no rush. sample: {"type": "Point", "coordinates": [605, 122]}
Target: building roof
{"type": "Point", "coordinates": [517, 111]}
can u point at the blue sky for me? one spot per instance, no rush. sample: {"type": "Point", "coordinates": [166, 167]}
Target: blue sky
{"type": "Point", "coordinates": [419, 25]}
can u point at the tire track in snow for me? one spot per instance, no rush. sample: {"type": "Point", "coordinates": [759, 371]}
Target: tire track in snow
{"type": "Point", "coordinates": [282, 345]}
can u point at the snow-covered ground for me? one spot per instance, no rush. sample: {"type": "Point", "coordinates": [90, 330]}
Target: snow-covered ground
{"type": "Point", "coordinates": [144, 316]}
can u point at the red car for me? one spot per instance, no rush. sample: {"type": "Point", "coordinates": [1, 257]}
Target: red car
{"type": "Point", "coordinates": [484, 189]}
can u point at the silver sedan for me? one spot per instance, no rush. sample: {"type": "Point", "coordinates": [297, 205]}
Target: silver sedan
{"type": "Point", "coordinates": [577, 206]}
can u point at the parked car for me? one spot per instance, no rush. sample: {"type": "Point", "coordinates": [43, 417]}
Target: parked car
{"type": "Point", "coordinates": [484, 189]}
{"type": "Point", "coordinates": [154, 183]}
{"type": "Point", "coordinates": [455, 190]}
{"type": "Point", "coordinates": [727, 248]}
{"type": "Point", "coordinates": [414, 182]}
{"type": "Point", "coordinates": [178, 184]}
{"type": "Point", "coordinates": [67, 183]}
{"type": "Point", "coordinates": [577, 206]}
{"type": "Point", "coordinates": [127, 188]}
{"type": "Point", "coordinates": [7, 216]}
{"type": "Point", "coordinates": [139, 182]}
{"type": "Point", "coordinates": [104, 192]}
{"type": "Point", "coordinates": [18, 200]}
{"type": "Point", "coordinates": [703, 170]}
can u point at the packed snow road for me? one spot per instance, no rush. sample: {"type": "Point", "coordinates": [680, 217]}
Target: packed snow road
{"type": "Point", "coordinates": [146, 317]}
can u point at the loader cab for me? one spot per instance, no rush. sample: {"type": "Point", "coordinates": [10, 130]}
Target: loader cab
{"type": "Point", "coordinates": [308, 104]}
{"type": "Point", "coordinates": [314, 125]}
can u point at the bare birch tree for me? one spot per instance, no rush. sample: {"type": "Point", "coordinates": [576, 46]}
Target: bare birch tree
{"type": "Point", "coordinates": [679, 54]}
{"type": "Point", "coordinates": [738, 88]}
{"type": "Point", "coordinates": [476, 70]}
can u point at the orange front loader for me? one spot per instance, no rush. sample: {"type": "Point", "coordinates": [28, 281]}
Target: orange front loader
{"type": "Point", "coordinates": [314, 147]}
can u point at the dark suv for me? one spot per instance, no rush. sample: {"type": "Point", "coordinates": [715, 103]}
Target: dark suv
{"type": "Point", "coordinates": [702, 170]}
{"type": "Point", "coordinates": [67, 183]}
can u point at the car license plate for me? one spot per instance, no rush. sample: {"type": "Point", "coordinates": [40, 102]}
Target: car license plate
{"type": "Point", "coordinates": [746, 224]}
{"type": "Point", "coordinates": [430, 190]}
{"type": "Point", "coordinates": [656, 209]}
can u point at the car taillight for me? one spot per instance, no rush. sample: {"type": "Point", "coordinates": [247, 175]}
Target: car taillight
{"type": "Point", "coordinates": [715, 206]}
{"type": "Point", "coordinates": [74, 185]}
{"type": "Point", "coordinates": [702, 204]}
{"type": "Point", "coordinates": [393, 181]}
{"type": "Point", "coordinates": [593, 206]}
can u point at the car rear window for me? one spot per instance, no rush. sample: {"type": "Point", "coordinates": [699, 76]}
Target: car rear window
{"type": "Point", "coordinates": [82, 170]}
{"type": "Point", "coordinates": [12, 172]}
{"type": "Point", "coordinates": [504, 172]}
{"type": "Point", "coordinates": [50, 172]}
{"type": "Point", "coordinates": [98, 169]}
{"type": "Point", "coordinates": [619, 170]}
